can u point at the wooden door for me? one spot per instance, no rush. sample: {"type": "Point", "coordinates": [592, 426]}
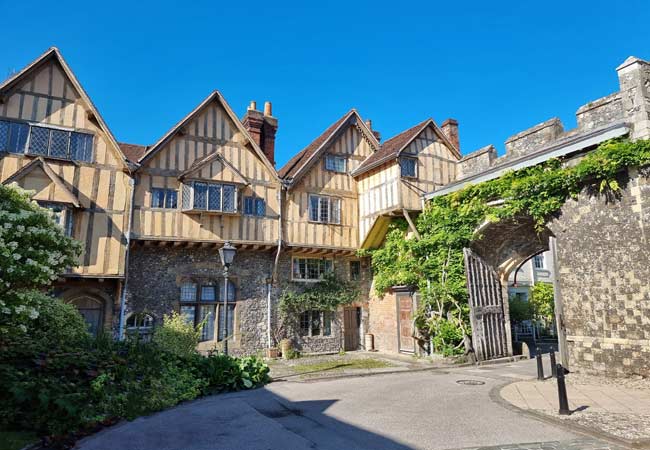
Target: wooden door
{"type": "Point", "coordinates": [405, 331]}
{"type": "Point", "coordinates": [351, 329]}
{"type": "Point", "coordinates": [489, 336]}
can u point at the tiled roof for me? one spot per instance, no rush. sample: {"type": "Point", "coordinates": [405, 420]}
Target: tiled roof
{"type": "Point", "coordinates": [133, 152]}
{"type": "Point", "coordinates": [391, 148]}
{"type": "Point", "coordinates": [291, 168]}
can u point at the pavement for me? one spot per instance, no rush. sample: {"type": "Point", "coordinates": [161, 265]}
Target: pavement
{"type": "Point", "coordinates": [434, 409]}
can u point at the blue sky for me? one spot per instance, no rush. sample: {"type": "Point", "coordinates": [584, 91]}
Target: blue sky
{"type": "Point", "coordinates": [497, 67]}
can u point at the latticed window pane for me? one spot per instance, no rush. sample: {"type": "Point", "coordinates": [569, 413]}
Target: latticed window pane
{"type": "Point", "coordinates": [315, 323]}
{"type": "Point", "coordinates": [335, 216]}
{"type": "Point", "coordinates": [200, 195]}
{"type": "Point", "coordinates": [231, 321]}
{"type": "Point", "coordinates": [4, 135]}
{"type": "Point", "coordinates": [260, 207]}
{"type": "Point", "coordinates": [228, 198]}
{"type": "Point", "coordinates": [39, 141]}
{"type": "Point", "coordinates": [157, 198]}
{"type": "Point", "coordinates": [188, 292]}
{"type": "Point", "coordinates": [171, 198]}
{"type": "Point", "coordinates": [304, 323]}
{"type": "Point", "coordinates": [18, 133]}
{"type": "Point", "coordinates": [324, 209]}
{"type": "Point", "coordinates": [327, 323]}
{"type": "Point", "coordinates": [188, 313]}
{"type": "Point", "coordinates": [81, 146]}
{"type": "Point", "coordinates": [209, 312]}
{"type": "Point", "coordinates": [187, 196]}
{"type": "Point", "coordinates": [408, 167]}
{"type": "Point", "coordinates": [313, 208]}
{"type": "Point", "coordinates": [313, 269]}
{"type": "Point", "coordinates": [208, 293]}
{"type": "Point", "coordinates": [335, 163]}
{"type": "Point", "coordinates": [59, 143]}
{"type": "Point", "coordinates": [248, 205]}
{"type": "Point", "coordinates": [214, 197]}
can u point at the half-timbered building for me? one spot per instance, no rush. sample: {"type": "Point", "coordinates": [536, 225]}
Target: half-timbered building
{"type": "Point", "coordinates": [54, 142]}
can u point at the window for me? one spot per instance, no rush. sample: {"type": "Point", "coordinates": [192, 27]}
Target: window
{"type": "Point", "coordinates": [408, 167]}
{"type": "Point", "coordinates": [209, 197]}
{"type": "Point", "coordinates": [17, 137]}
{"type": "Point", "coordinates": [163, 198]}
{"type": "Point", "coordinates": [539, 262]}
{"type": "Point", "coordinates": [254, 206]}
{"type": "Point", "coordinates": [62, 215]}
{"type": "Point", "coordinates": [140, 324]}
{"type": "Point", "coordinates": [231, 321]}
{"type": "Point", "coordinates": [324, 209]}
{"type": "Point", "coordinates": [311, 269]}
{"type": "Point", "coordinates": [355, 270]}
{"type": "Point", "coordinates": [316, 323]}
{"type": "Point", "coordinates": [335, 163]}
{"type": "Point", "coordinates": [200, 303]}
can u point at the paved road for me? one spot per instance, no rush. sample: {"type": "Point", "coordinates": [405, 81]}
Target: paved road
{"type": "Point", "coordinates": [416, 410]}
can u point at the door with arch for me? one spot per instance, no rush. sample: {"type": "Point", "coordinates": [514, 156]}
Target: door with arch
{"type": "Point", "coordinates": [92, 310]}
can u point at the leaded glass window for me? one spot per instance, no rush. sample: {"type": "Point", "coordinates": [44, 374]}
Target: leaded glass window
{"type": "Point", "coordinates": [39, 140]}
{"type": "Point", "coordinates": [188, 292]}
{"type": "Point", "coordinates": [335, 163]}
{"type": "Point", "coordinates": [59, 141]}
{"type": "Point", "coordinates": [200, 195]}
{"type": "Point", "coordinates": [408, 167]}
{"type": "Point", "coordinates": [324, 209]}
{"type": "Point", "coordinates": [214, 195]}
{"type": "Point", "coordinates": [228, 198]}
{"type": "Point", "coordinates": [311, 269]}
{"type": "Point", "coordinates": [45, 141]}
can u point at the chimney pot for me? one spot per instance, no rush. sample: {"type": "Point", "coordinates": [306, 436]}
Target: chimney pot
{"type": "Point", "coordinates": [268, 109]}
{"type": "Point", "coordinates": [252, 106]}
{"type": "Point", "coordinates": [369, 124]}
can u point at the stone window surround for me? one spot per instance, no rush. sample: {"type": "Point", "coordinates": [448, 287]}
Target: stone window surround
{"type": "Point", "coordinates": [309, 280]}
{"type": "Point", "coordinates": [322, 328]}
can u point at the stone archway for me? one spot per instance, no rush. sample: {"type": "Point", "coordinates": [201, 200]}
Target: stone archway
{"type": "Point", "coordinates": [93, 305]}
{"type": "Point", "coordinates": [500, 248]}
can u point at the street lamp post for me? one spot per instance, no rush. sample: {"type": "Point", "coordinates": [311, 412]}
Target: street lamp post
{"type": "Point", "coordinates": [227, 254]}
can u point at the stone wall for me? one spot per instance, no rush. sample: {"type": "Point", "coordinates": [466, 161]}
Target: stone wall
{"type": "Point", "coordinates": [534, 138]}
{"type": "Point", "coordinates": [603, 273]}
{"type": "Point", "coordinates": [478, 161]}
{"type": "Point", "coordinates": [601, 112]}
{"type": "Point", "coordinates": [156, 273]}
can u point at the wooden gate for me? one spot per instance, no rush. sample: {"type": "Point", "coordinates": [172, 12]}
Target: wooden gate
{"type": "Point", "coordinates": [405, 322]}
{"type": "Point", "coordinates": [489, 331]}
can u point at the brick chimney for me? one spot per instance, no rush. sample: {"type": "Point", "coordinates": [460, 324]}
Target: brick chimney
{"type": "Point", "coordinates": [262, 128]}
{"type": "Point", "coordinates": [376, 133]}
{"type": "Point", "coordinates": [450, 128]}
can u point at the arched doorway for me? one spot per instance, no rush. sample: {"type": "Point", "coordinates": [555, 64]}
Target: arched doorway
{"type": "Point", "coordinates": [92, 310]}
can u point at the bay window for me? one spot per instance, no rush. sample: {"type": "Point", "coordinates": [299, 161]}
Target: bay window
{"type": "Point", "coordinates": [211, 197]}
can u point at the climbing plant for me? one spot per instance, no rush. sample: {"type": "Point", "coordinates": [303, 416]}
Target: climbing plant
{"type": "Point", "coordinates": [448, 224]}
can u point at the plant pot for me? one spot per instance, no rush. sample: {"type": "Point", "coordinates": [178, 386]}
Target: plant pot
{"type": "Point", "coordinates": [272, 352]}
{"type": "Point", "coordinates": [285, 348]}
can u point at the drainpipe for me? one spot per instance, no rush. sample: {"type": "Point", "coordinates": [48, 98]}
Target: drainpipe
{"type": "Point", "coordinates": [126, 262]}
{"type": "Point", "coordinates": [269, 284]}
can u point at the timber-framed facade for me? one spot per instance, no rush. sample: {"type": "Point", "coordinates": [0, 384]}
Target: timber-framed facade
{"type": "Point", "coordinates": [152, 217]}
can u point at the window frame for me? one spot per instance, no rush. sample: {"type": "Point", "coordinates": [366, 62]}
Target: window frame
{"type": "Point", "coordinates": [257, 206]}
{"type": "Point", "coordinates": [333, 213]}
{"type": "Point", "coordinates": [198, 302]}
{"type": "Point", "coordinates": [414, 159]}
{"type": "Point", "coordinates": [357, 276]}
{"type": "Point", "coordinates": [336, 158]}
{"type": "Point", "coordinates": [325, 263]}
{"type": "Point", "coordinates": [66, 212]}
{"type": "Point", "coordinates": [541, 259]}
{"type": "Point", "coordinates": [190, 207]}
{"type": "Point", "coordinates": [25, 144]}
{"type": "Point", "coordinates": [166, 193]}
{"type": "Point", "coordinates": [308, 319]}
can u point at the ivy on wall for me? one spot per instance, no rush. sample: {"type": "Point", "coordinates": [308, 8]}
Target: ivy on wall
{"type": "Point", "coordinates": [435, 263]}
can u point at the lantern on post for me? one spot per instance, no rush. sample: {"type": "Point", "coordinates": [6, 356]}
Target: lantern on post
{"type": "Point", "coordinates": [227, 255]}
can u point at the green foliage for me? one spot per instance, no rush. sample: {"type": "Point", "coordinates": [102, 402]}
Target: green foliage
{"type": "Point", "coordinates": [520, 309]}
{"type": "Point", "coordinates": [177, 336]}
{"type": "Point", "coordinates": [448, 224]}
{"type": "Point", "coordinates": [325, 295]}
{"type": "Point", "coordinates": [447, 338]}
{"type": "Point", "coordinates": [542, 301]}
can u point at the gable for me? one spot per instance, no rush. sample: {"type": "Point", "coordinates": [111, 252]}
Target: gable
{"type": "Point", "coordinates": [214, 168]}
{"type": "Point", "coordinates": [209, 129]}
{"type": "Point", "coordinates": [37, 176]}
{"type": "Point", "coordinates": [46, 92]}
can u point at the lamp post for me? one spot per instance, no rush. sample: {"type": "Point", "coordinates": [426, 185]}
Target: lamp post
{"type": "Point", "coordinates": [227, 254]}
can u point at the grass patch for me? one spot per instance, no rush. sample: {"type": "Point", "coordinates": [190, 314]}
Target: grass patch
{"type": "Point", "coordinates": [15, 440]}
{"type": "Point", "coordinates": [351, 364]}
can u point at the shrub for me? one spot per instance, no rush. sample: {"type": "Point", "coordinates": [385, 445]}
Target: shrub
{"type": "Point", "coordinates": [447, 338]}
{"type": "Point", "coordinates": [177, 336]}
{"type": "Point", "coordinates": [520, 309]}
{"type": "Point", "coordinates": [542, 301]}
{"type": "Point", "coordinates": [225, 373]}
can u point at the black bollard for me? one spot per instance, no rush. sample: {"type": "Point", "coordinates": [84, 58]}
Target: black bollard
{"type": "Point", "coordinates": [540, 364]}
{"type": "Point", "coordinates": [553, 363]}
{"type": "Point", "coordinates": [561, 391]}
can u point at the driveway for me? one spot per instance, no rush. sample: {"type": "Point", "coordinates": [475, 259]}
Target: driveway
{"type": "Point", "coordinates": [414, 410]}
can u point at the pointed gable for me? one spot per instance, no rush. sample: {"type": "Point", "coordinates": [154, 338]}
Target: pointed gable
{"type": "Point", "coordinates": [393, 147]}
{"type": "Point", "coordinates": [214, 167]}
{"type": "Point", "coordinates": [39, 177]}
{"type": "Point", "coordinates": [47, 91]}
{"type": "Point", "coordinates": [299, 164]}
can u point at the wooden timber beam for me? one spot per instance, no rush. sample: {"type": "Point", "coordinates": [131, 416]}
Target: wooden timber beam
{"type": "Point", "coordinates": [411, 224]}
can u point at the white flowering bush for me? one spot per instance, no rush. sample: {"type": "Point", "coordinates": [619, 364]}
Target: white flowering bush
{"type": "Point", "coordinates": [34, 251]}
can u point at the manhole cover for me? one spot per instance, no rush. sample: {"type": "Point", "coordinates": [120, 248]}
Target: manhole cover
{"type": "Point", "coordinates": [471, 382]}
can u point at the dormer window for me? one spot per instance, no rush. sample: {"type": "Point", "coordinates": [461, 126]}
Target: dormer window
{"type": "Point", "coordinates": [335, 163]}
{"type": "Point", "coordinates": [211, 197]}
{"type": "Point", "coordinates": [408, 167]}
{"type": "Point", "coordinates": [42, 140]}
